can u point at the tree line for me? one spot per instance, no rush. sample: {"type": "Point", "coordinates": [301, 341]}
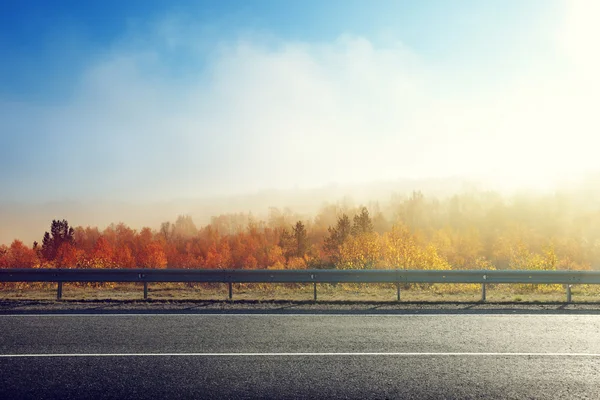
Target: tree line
{"type": "Point", "coordinates": [478, 230]}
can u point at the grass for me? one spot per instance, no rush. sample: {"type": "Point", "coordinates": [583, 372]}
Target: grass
{"type": "Point", "coordinates": [301, 292]}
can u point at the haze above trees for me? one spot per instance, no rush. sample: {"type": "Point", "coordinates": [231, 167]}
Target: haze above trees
{"type": "Point", "coordinates": [472, 230]}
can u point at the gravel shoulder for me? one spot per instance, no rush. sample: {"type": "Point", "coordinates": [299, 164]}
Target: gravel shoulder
{"type": "Point", "coordinates": [289, 307]}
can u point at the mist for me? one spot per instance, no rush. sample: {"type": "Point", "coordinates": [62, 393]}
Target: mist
{"type": "Point", "coordinates": [255, 113]}
{"type": "Point", "coordinates": [260, 113]}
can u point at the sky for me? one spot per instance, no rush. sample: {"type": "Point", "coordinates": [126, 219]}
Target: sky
{"type": "Point", "coordinates": [148, 100]}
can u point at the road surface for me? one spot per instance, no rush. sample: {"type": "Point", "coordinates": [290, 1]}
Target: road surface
{"type": "Point", "coordinates": [299, 356]}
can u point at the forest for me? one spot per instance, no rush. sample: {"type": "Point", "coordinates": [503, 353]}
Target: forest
{"type": "Point", "coordinates": [472, 230]}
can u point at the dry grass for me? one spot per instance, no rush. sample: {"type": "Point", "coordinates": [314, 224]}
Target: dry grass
{"type": "Point", "coordinates": [300, 292]}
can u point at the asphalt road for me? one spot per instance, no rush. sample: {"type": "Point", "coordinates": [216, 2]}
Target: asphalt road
{"type": "Point", "coordinates": [299, 356]}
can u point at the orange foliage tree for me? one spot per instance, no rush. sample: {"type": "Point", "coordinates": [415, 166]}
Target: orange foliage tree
{"type": "Point", "coordinates": [18, 256]}
{"type": "Point", "coordinates": [464, 231]}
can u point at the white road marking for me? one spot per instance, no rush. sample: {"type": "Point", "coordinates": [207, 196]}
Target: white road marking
{"type": "Point", "coordinates": [451, 313]}
{"type": "Point", "coordinates": [418, 354]}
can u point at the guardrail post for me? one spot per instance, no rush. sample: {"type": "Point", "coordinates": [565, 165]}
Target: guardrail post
{"type": "Point", "coordinates": [230, 291]}
{"type": "Point", "coordinates": [397, 291]}
{"type": "Point", "coordinates": [315, 291]}
{"type": "Point", "coordinates": [568, 293]}
{"type": "Point", "coordinates": [145, 290]}
{"type": "Point", "coordinates": [483, 292]}
{"type": "Point", "coordinates": [59, 291]}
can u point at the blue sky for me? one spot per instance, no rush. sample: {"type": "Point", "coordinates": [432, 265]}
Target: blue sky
{"type": "Point", "coordinates": [48, 43]}
{"type": "Point", "coordinates": [167, 99]}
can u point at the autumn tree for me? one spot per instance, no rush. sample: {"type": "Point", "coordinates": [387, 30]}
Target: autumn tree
{"type": "Point", "coordinates": [286, 242]}
{"type": "Point", "coordinates": [413, 212]}
{"type": "Point", "coordinates": [60, 233]}
{"type": "Point", "coordinates": [360, 252]}
{"type": "Point", "coordinates": [166, 231]}
{"type": "Point", "coordinates": [4, 263]}
{"type": "Point", "coordinates": [184, 227]}
{"type": "Point", "coordinates": [20, 256]}
{"type": "Point", "coordinates": [219, 255]}
{"type": "Point", "coordinates": [86, 238]}
{"type": "Point", "coordinates": [337, 237]}
{"type": "Point", "coordinates": [294, 243]}
{"type": "Point", "coordinates": [154, 256]}
{"type": "Point", "coordinates": [401, 249]}
{"type": "Point", "coordinates": [149, 252]}
{"type": "Point", "coordinates": [300, 239]}
{"type": "Point", "coordinates": [275, 257]}
{"type": "Point", "coordinates": [362, 223]}
{"type": "Point", "coordinates": [280, 219]}
{"type": "Point", "coordinates": [103, 252]}
{"type": "Point", "coordinates": [66, 256]}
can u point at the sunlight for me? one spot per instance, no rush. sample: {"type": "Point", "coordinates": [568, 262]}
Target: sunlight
{"type": "Point", "coordinates": [579, 36]}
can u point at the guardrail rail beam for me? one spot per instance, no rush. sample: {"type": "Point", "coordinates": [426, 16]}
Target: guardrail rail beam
{"type": "Point", "coordinates": [314, 276]}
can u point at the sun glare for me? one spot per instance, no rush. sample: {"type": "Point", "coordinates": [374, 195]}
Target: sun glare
{"type": "Point", "coordinates": [581, 31]}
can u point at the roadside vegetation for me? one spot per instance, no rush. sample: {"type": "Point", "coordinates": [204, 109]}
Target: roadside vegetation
{"type": "Point", "coordinates": [298, 292]}
{"type": "Point", "coordinates": [474, 230]}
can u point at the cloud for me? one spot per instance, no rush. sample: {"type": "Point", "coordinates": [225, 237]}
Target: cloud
{"type": "Point", "coordinates": [255, 112]}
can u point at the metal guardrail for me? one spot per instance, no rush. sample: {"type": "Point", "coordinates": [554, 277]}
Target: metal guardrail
{"type": "Point", "coordinates": [314, 276]}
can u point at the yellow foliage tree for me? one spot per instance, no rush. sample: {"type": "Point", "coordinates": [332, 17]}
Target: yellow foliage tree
{"type": "Point", "coordinates": [360, 252]}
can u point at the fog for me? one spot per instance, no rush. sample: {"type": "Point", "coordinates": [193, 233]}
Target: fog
{"type": "Point", "coordinates": [29, 221]}
{"type": "Point", "coordinates": [259, 115]}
